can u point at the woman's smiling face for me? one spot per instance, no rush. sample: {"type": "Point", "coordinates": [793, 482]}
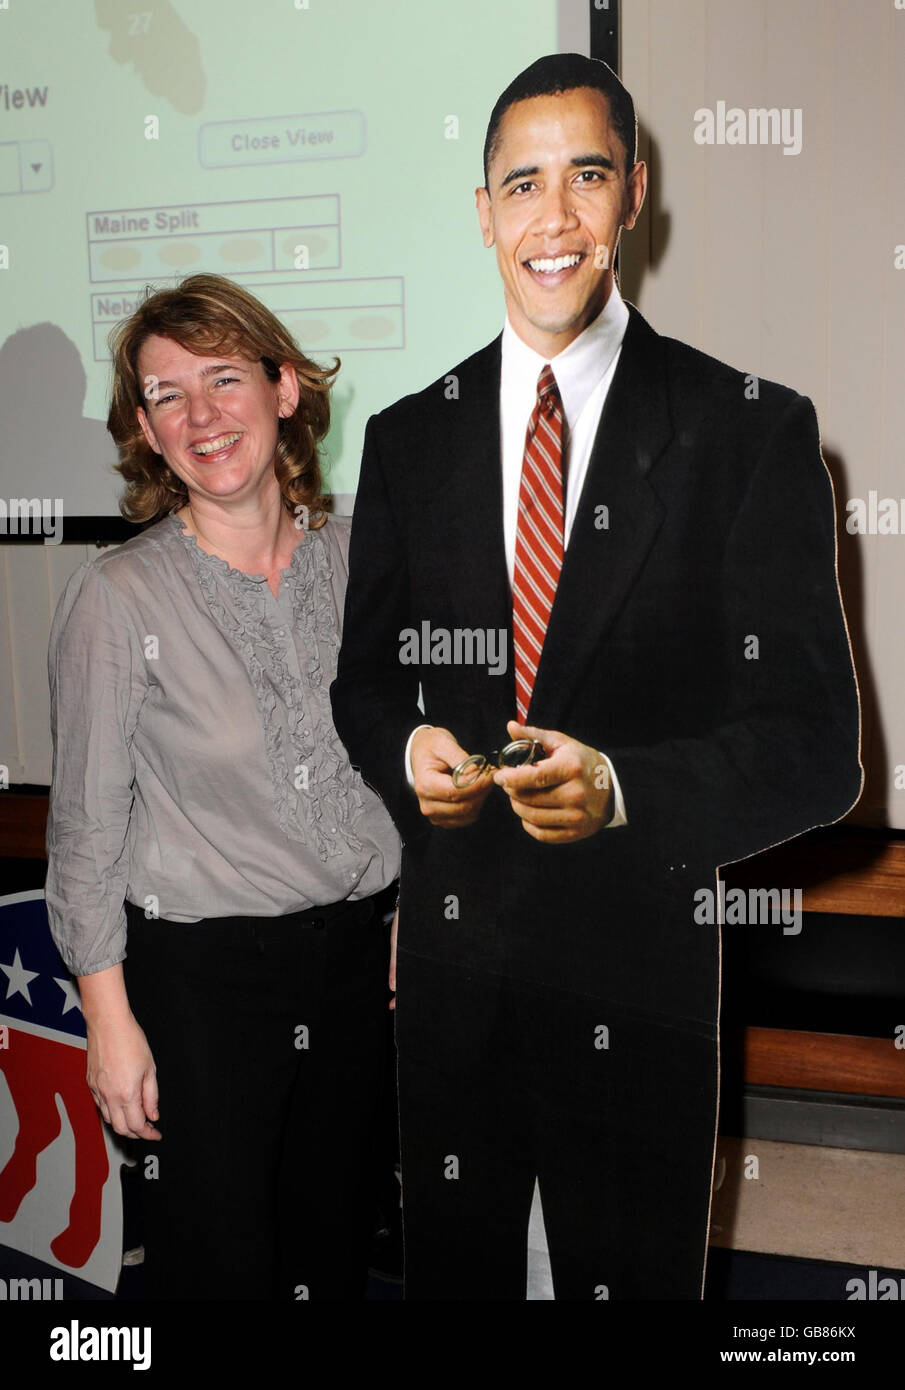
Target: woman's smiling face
{"type": "Point", "coordinates": [214, 420]}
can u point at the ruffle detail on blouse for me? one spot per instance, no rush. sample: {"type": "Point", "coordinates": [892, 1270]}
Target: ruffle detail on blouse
{"type": "Point", "coordinates": [297, 717]}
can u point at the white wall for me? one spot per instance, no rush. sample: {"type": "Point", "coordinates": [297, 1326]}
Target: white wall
{"type": "Point", "coordinates": [783, 265]}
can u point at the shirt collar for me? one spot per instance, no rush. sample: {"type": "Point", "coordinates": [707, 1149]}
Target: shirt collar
{"type": "Point", "coordinates": [578, 368]}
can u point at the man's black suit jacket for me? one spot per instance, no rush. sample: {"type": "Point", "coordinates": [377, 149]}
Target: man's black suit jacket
{"type": "Point", "coordinates": [697, 638]}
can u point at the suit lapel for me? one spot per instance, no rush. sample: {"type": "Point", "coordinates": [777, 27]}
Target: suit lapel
{"type": "Point", "coordinates": [602, 562]}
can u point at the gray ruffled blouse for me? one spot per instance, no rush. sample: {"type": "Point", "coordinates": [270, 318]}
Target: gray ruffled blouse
{"type": "Point", "coordinates": [196, 769]}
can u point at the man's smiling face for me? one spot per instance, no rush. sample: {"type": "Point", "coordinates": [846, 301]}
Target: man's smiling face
{"type": "Point", "coordinates": [557, 196]}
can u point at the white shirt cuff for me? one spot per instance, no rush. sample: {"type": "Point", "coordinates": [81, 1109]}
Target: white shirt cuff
{"type": "Point", "coordinates": [619, 816]}
{"type": "Point", "coordinates": [409, 774]}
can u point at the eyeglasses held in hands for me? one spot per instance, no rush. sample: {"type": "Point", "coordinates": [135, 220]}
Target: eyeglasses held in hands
{"type": "Point", "coordinates": [517, 754]}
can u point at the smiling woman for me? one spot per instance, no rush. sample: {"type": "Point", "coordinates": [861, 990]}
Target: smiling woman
{"type": "Point", "coordinates": [215, 323]}
{"type": "Point", "coordinates": [216, 422]}
{"type": "Point", "coordinates": [204, 815]}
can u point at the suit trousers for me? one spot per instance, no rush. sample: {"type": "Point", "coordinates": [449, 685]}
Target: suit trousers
{"type": "Point", "coordinates": [611, 1109]}
{"type": "Point", "coordinates": [269, 1037]}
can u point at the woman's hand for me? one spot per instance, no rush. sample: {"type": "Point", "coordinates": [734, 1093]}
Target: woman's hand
{"type": "Point", "coordinates": [122, 1077]}
{"type": "Point", "coordinates": [393, 934]}
{"type": "Point", "coordinates": [121, 1074]}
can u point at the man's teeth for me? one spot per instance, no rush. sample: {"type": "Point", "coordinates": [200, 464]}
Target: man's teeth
{"type": "Point", "coordinates": [552, 264]}
{"type": "Point", "coordinates": [214, 446]}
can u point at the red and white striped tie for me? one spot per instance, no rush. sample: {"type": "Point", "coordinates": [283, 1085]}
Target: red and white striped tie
{"type": "Point", "coordinates": [539, 536]}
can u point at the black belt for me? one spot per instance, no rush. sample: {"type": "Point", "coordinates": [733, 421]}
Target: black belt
{"type": "Point", "coordinates": [359, 910]}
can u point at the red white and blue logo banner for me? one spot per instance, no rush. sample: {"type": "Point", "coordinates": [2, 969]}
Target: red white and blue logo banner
{"type": "Point", "coordinates": [60, 1195]}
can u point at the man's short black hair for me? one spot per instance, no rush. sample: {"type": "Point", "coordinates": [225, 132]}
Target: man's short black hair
{"type": "Point", "coordinates": [563, 72]}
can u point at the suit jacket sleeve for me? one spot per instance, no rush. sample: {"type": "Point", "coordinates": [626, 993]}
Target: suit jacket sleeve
{"type": "Point", "coordinates": [375, 696]}
{"type": "Point", "coordinates": [784, 755]}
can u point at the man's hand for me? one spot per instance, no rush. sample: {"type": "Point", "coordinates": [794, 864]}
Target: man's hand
{"type": "Point", "coordinates": [568, 796]}
{"type": "Point", "coordinates": [434, 754]}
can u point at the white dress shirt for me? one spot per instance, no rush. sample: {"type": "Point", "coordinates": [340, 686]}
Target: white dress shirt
{"type": "Point", "coordinates": [583, 372]}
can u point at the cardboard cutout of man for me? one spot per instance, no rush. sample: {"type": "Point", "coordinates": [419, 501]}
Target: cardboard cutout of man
{"type": "Point", "coordinates": [653, 546]}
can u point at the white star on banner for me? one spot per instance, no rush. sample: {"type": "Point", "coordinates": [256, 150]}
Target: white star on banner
{"type": "Point", "coordinates": [71, 995]}
{"type": "Point", "coordinates": [18, 977]}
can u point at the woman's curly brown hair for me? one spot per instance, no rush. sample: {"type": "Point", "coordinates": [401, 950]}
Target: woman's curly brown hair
{"type": "Point", "coordinates": [208, 315]}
